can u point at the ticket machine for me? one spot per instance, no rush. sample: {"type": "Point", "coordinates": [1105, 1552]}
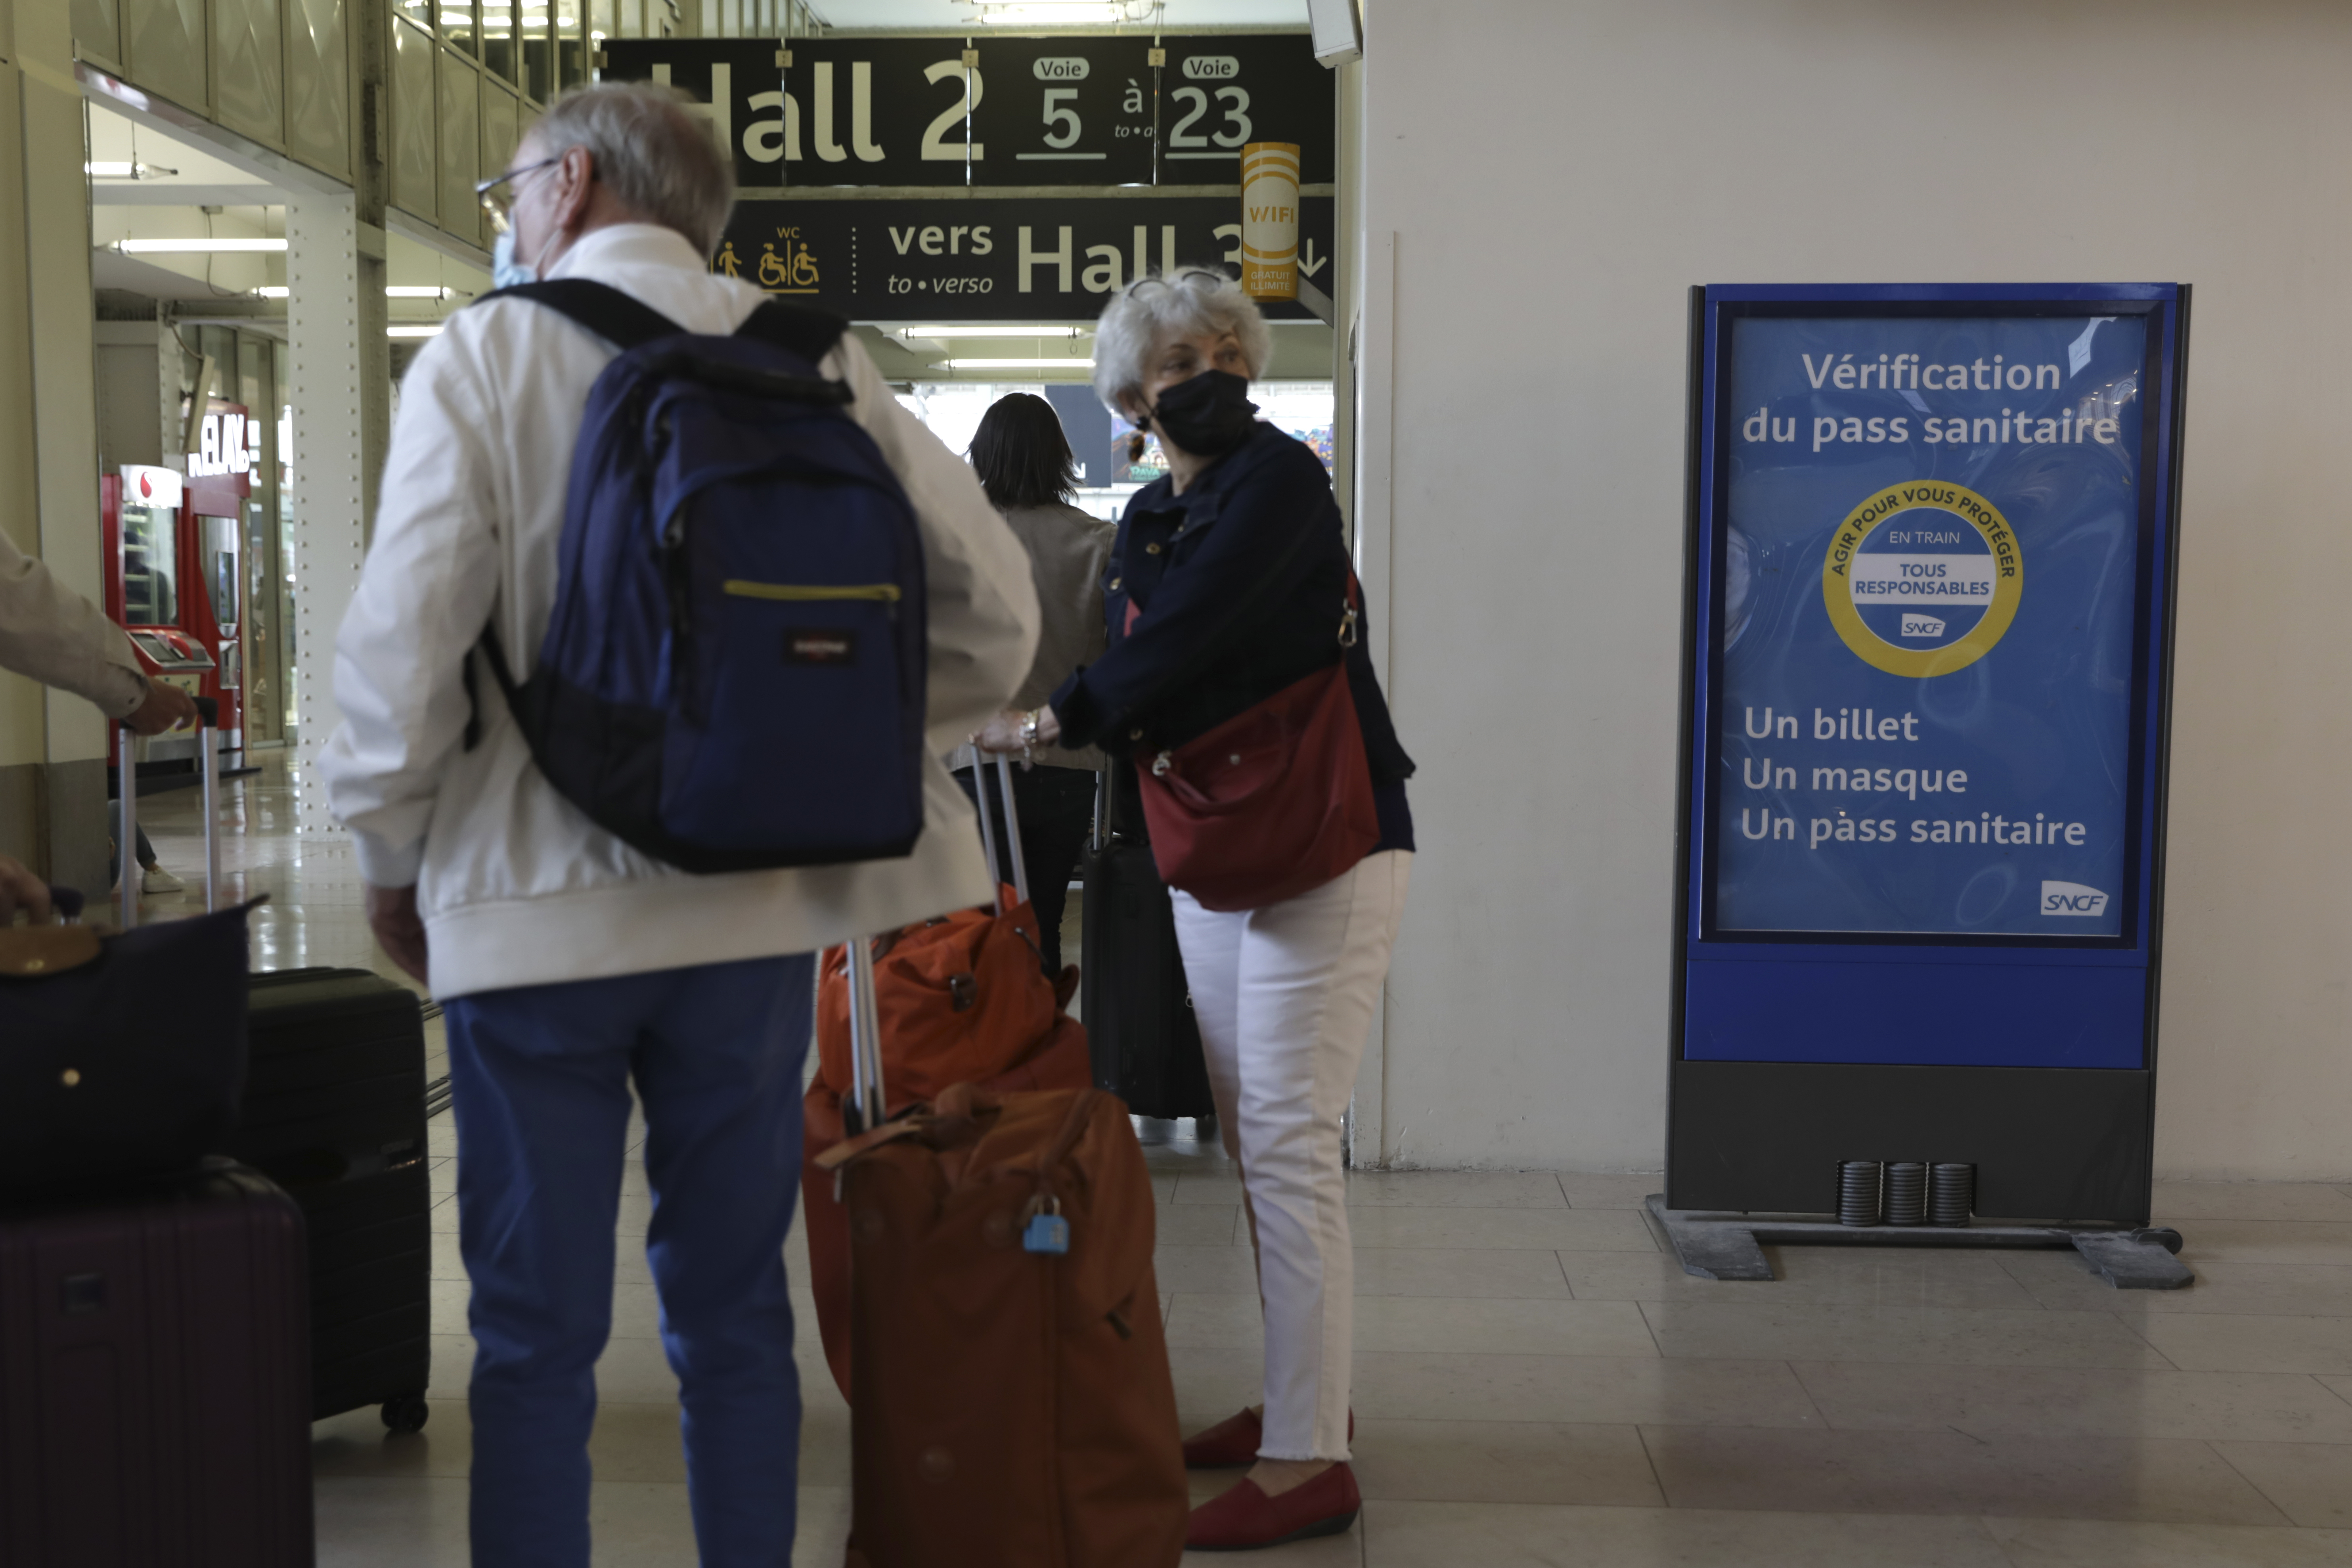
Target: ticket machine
{"type": "Point", "coordinates": [171, 581]}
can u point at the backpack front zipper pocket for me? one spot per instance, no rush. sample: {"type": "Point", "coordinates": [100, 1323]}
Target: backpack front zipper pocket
{"type": "Point", "coordinates": [774, 663]}
{"type": "Point", "coordinates": [742, 588]}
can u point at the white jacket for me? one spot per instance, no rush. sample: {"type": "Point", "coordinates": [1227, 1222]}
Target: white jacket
{"type": "Point", "coordinates": [517, 886]}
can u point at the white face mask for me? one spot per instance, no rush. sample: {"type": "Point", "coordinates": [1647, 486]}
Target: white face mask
{"type": "Point", "coordinates": [505, 271]}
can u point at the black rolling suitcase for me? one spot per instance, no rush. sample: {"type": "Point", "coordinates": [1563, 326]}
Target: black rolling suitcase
{"type": "Point", "coordinates": [1136, 1008]}
{"type": "Point", "coordinates": [154, 1398]}
{"type": "Point", "coordinates": [334, 1112]}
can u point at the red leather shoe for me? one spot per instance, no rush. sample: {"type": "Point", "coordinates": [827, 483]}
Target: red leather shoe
{"type": "Point", "coordinates": [1246, 1518]}
{"type": "Point", "coordinates": [1234, 1441]}
{"type": "Point", "coordinates": [1231, 1442]}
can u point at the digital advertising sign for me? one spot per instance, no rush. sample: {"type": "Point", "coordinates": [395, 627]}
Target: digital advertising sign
{"type": "Point", "coordinates": [1931, 547]}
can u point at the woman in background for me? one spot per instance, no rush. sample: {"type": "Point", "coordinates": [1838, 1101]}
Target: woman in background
{"type": "Point", "coordinates": [1024, 464]}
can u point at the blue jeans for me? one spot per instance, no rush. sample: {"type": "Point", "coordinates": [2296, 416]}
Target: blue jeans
{"type": "Point", "coordinates": [541, 1075]}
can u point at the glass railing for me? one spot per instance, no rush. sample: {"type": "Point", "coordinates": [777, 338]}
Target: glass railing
{"type": "Point", "coordinates": [699, 18]}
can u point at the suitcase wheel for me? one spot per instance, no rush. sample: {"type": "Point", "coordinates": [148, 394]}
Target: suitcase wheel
{"type": "Point", "coordinates": [406, 1413]}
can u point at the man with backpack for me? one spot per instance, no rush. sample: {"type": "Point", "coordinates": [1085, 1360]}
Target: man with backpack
{"type": "Point", "coordinates": [727, 630]}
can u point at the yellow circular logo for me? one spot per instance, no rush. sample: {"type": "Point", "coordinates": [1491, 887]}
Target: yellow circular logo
{"type": "Point", "coordinates": [1923, 578]}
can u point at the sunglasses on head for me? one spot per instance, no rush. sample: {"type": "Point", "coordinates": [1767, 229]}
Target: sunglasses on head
{"type": "Point", "coordinates": [1184, 277]}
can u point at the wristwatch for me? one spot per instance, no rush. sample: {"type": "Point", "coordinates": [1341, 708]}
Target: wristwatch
{"type": "Point", "coordinates": [1029, 730]}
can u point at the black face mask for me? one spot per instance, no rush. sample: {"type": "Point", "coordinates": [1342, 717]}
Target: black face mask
{"type": "Point", "coordinates": [1207, 416]}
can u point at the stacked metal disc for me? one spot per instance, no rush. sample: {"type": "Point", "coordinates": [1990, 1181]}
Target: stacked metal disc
{"type": "Point", "coordinates": [1858, 1182]}
{"type": "Point", "coordinates": [1951, 1193]}
{"type": "Point", "coordinates": [1907, 1192]}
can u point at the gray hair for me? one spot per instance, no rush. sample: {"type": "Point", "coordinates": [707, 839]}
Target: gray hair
{"type": "Point", "coordinates": [657, 160]}
{"type": "Point", "coordinates": [1195, 300]}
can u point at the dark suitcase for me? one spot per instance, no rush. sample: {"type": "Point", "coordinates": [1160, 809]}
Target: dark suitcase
{"type": "Point", "coordinates": [154, 1380]}
{"type": "Point", "coordinates": [1136, 1008]}
{"type": "Point", "coordinates": [93, 1092]}
{"type": "Point", "coordinates": [93, 1095]}
{"type": "Point", "coordinates": [334, 1112]}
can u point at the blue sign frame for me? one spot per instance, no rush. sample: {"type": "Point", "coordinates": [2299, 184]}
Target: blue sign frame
{"type": "Point", "coordinates": [1908, 953]}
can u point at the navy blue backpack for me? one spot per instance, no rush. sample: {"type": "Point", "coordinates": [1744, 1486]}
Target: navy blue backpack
{"type": "Point", "coordinates": [733, 675]}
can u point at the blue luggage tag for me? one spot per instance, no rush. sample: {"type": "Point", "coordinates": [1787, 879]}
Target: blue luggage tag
{"type": "Point", "coordinates": [1047, 1233]}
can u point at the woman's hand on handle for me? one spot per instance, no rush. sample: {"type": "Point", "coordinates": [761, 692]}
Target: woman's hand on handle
{"type": "Point", "coordinates": [1015, 731]}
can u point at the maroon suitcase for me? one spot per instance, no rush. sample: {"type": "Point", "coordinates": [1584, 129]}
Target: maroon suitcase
{"type": "Point", "coordinates": [155, 1379]}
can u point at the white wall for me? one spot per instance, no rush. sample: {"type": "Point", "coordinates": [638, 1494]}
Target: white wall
{"type": "Point", "coordinates": [1555, 173]}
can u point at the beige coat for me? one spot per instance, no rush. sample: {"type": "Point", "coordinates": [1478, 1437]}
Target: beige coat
{"type": "Point", "coordinates": [1067, 551]}
{"type": "Point", "coordinates": [59, 638]}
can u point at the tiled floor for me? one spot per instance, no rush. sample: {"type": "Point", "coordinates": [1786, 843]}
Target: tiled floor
{"type": "Point", "coordinates": [1539, 1384]}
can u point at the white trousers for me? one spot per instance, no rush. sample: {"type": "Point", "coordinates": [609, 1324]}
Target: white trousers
{"type": "Point", "coordinates": [1285, 998]}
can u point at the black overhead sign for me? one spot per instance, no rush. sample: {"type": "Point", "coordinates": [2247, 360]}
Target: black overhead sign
{"type": "Point", "coordinates": [991, 258]}
{"type": "Point", "coordinates": [1084, 111]}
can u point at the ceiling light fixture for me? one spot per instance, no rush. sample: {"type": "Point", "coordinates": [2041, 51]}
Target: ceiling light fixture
{"type": "Point", "coordinates": [1064, 11]}
{"type": "Point", "coordinates": [1020, 364]}
{"type": "Point", "coordinates": [996, 332]}
{"type": "Point", "coordinates": [194, 247]}
{"type": "Point", "coordinates": [392, 291]}
{"type": "Point", "coordinates": [125, 170]}
{"type": "Point", "coordinates": [427, 329]}
{"type": "Point", "coordinates": [1049, 13]}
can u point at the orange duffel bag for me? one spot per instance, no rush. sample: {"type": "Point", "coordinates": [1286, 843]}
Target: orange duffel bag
{"type": "Point", "coordinates": [963, 998]}
{"type": "Point", "coordinates": [1014, 1407]}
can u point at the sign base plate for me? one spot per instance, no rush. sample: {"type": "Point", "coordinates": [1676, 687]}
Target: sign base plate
{"type": "Point", "coordinates": [1728, 1246]}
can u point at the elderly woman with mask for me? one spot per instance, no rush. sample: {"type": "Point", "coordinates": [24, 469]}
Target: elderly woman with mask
{"type": "Point", "coordinates": [1229, 583]}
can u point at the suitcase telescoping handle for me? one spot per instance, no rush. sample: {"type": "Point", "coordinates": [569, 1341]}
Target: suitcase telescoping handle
{"type": "Point", "coordinates": [1020, 878]}
{"type": "Point", "coordinates": [126, 827]}
{"type": "Point", "coordinates": [866, 1107]}
{"type": "Point", "coordinates": [996, 862]}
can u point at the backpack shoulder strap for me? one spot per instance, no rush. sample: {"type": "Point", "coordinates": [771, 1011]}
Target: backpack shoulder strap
{"type": "Point", "coordinates": [807, 332]}
{"type": "Point", "coordinates": [488, 645]}
{"type": "Point", "coordinates": [620, 319]}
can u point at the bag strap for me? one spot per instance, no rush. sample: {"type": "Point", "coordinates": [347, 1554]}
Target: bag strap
{"type": "Point", "coordinates": [848, 1149]}
{"type": "Point", "coordinates": [488, 643]}
{"type": "Point", "coordinates": [1074, 1124]}
{"type": "Point", "coordinates": [629, 322]}
{"type": "Point", "coordinates": [809, 333]}
{"type": "Point", "coordinates": [620, 319]}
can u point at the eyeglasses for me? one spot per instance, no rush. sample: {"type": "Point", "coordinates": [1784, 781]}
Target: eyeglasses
{"type": "Point", "coordinates": [497, 192]}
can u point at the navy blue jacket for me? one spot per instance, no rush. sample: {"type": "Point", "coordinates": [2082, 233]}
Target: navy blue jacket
{"type": "Point", "coordinates": [1239, 584]}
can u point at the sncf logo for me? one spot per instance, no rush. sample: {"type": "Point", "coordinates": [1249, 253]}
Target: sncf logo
{"type": "Point", "coordinates": [2072, 899]}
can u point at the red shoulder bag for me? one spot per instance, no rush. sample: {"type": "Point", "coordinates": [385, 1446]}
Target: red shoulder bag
{"type": "Point", "coordinates": [1274, 801]}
